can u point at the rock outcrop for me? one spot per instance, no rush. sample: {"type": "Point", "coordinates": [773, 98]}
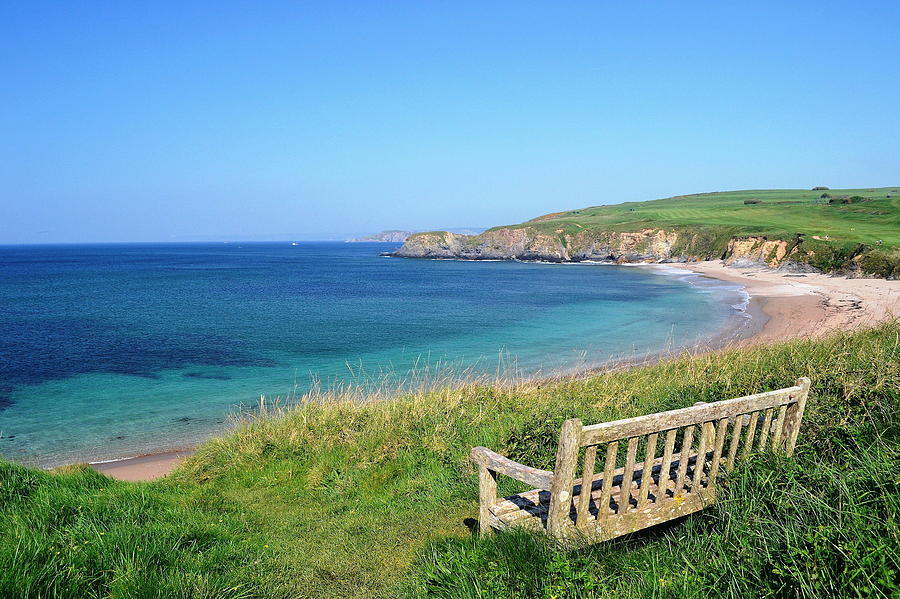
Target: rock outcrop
{"type": "Point", "coordinates": [396, 236]}
{"type": "Point", "coordinates": [392, 236]}
{"type": "Point", "coordinates": [758, 250]}
{"type": "Point", "coordinates": [650, 245]}
{"type": "Point", "coordinates": [529, 243]}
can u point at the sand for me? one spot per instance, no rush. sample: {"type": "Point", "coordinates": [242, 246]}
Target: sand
{"type": "Point", "coordinates": [142, 468]}
{"type": "Point", "coordinates": [804, 305]}
{"type": "Point", "coordinates": [807, 305]}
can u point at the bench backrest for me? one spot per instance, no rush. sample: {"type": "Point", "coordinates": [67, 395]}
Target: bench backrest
{"type": "Point", "coordinates": [722, 430]}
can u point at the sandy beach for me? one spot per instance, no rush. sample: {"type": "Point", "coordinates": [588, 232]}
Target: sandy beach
{"type": "Point", "coordinates": [142, 468]}
{"type": "Point", "coordinates": [796, 305]}
{"type": "Point", "coordinates": [807, 305]}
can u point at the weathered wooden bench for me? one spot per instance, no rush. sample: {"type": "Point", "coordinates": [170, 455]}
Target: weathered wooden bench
{"type": "Point", "coordinates": [637, 495]}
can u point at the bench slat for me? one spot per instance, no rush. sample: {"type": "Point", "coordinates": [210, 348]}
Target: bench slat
{"type": "Point", "coordinates": [649, 457]}
{"type": "Point", "coordinates": [706, 435]}
{"type": "Point", "coordinates": [628, 476]}
{"type": "Point", "coordinates": [667, 463]}
{"type": "Point", "coordinates": [686, 443]}
{"type": "Point", "coordinates": [779, 428]}
{"type": "Point", "coordinates": [735, 441]}
{"type": "Point", "coordinates": [587, 473]}
{"type": "Point", "coordinates": [766, 427]}
{"type": "Point", "coordinates": [717, 452]}
{"type": "Point", "coordinates": [748, 438]}
{"type": "Point", "coordinates": [603, 506]}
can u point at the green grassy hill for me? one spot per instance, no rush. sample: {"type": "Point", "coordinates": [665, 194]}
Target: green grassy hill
{"type": "Point", "coordinates": [868, 216]}
{"type": "Point", "coordinates": [343, 498]}
{"type": "Point", "coordinates": [845, 231]}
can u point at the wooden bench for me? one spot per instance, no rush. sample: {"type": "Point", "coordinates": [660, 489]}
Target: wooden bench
{"type": "Point", "coordinates": [698, 444]}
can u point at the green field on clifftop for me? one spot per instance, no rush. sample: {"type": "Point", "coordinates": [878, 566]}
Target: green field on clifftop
{"type": "Point", "coordinates": [846, 215]}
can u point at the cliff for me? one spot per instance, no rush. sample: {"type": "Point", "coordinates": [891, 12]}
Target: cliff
{"type": "Point", "coordinates": [526, 243]}
{"type": "Point", "coordinates": [836, 238]}
{"type": "Point", "coordinates": [644, 246]}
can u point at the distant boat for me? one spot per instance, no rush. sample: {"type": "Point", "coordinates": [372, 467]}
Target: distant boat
{"type": "Point", "coordinates": [294, 243]}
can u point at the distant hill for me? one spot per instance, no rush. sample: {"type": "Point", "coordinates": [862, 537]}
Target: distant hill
{"type": "Point", "coordinates": [397, 236]}
{"type": "Point", "coordinates": [852, 231]}
{"type": "Point", "coordinates": [393, 236]}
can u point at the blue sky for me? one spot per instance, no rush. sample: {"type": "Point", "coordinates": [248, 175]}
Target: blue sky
{"type": "Point", "coordinates": [170, 121]}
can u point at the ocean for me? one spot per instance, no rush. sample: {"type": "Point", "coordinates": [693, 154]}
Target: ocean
{"type": "Point", "coordinates": [110, 351]}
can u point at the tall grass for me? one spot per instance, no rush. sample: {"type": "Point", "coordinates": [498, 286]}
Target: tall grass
{"type": "Point", "coordinates": [337, 495]}
{"type": "Point", "coordinates": [81, 534]}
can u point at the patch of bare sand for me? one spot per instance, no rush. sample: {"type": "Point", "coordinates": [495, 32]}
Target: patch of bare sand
{"type": "Point", "coordinates": [142, 468]}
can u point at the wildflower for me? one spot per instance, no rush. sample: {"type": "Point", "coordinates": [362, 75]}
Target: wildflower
{"type": "Point", "coordinates": [679, 499]}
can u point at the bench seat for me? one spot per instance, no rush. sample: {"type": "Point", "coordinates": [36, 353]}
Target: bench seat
{"type": "Point", "coordinates": [529, 509]}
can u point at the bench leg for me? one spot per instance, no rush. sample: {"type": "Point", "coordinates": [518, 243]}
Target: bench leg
{"type": "Point", "coordinates": [487, 496]}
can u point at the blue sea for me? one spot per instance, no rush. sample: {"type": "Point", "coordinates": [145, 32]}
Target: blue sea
{"type": "Point", "coordinates": [108, 351]}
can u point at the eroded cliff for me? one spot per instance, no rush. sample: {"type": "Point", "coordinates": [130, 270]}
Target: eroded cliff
{"type": "Point", "coordinates": [649, 245]}
{"type": "Point", "coordinates": [529, 243]}
{"type": "Point", "coordinates": [852, 232]}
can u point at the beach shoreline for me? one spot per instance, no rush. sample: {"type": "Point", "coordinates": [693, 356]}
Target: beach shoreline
{"type": "Point", "coordinates": [782, 306]}
{"type": "Point", "coordinates": [806, 305]}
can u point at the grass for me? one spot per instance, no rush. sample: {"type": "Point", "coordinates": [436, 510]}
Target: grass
{"type": "Point", "coordinates": [781, 213]}
{"type": "Point", "coordinates": [830, 234]}
{"type": "Point", "coordinates": [81, 534]}
{"type": "Point", "coordinates": [355, 498]}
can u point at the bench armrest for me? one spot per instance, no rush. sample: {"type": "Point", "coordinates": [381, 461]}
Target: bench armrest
{"type": "Point", "coordinates": [540, 479]}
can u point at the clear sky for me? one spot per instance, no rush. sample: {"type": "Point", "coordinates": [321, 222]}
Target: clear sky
{"type": "Point", "coordinates": [168, 121]}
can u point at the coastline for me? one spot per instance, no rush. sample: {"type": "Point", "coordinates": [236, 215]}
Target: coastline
{"type": "Point", "coordinates": [781, 306]}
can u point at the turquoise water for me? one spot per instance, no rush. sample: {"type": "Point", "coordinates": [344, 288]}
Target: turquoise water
{"type": "Point", "coordinates": [108, 351]}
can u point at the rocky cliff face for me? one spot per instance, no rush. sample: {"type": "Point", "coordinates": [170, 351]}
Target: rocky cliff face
{"type": "Point", "coordinates": [646, 245]}
{"type": "Point", "coordinates": [527, 243]}
{"type": "Point", "coordinates": [497, 244]}
{"type": "Point", "coordinates": [772, 253]}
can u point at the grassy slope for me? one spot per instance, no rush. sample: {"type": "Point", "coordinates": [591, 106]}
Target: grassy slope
{"type": "Point", "coordinates": [358, 500]}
